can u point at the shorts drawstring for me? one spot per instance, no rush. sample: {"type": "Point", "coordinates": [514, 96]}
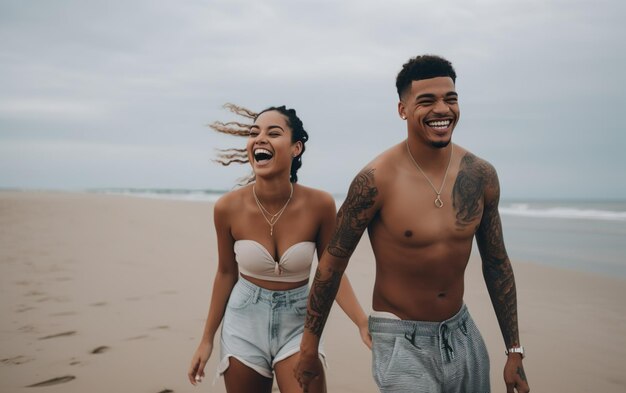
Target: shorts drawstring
{"type": "Point", "coordinates": [410, 337]}
{"type": "Point", "coordinates": [464, 327]}
{"type": "Point", "coordinates": [445, 344]}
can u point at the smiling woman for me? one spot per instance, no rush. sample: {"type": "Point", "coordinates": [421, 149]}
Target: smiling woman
{"type": "Point", "coordinates": [268, 231]}
{"type": "Point", "coordinates": [240, 155]}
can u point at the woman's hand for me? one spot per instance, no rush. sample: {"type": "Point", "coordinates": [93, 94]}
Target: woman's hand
{"type": "Point", "coordinates": [198, 361]}
{"type": "Point", "coordinates": [365, 334]}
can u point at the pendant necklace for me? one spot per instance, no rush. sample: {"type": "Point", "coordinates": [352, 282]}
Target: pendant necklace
{"type": "Point", "coordinates": [438, 201]}
{"type": "Point", "coordinates": [273, 218]}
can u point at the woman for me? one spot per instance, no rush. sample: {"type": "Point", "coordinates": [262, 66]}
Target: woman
{"type": "Point", "coordinates": [267, 233]}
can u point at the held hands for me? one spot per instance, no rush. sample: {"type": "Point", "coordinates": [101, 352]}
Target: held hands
{"type": "Point", "coordinates": [198, 361]}
{"type": "Point", "coordinates": [514, 375]}
{"type": "Point", "coordinates": [308, 368]}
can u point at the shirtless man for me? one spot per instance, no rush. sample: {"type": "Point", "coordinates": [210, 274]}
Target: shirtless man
{"type": "Point", "coordinates": [422, 201]}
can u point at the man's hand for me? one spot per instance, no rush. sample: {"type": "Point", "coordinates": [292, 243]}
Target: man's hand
{"type": "Point", "coordinates": [514, 375]}
{"type": "Point", "coordinates": [308, 369]}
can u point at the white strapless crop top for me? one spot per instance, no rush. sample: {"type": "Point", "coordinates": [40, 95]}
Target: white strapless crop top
{"type": "Point", "coordinates": [255, 261]}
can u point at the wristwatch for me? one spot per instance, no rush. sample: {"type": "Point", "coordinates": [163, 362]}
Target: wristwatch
{"type": "Point", "coordinates": [519, 350]}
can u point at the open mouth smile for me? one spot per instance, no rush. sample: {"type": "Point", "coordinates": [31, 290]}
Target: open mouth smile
{"type": "Point", "coordinates": [439, 124]}
{"type": "Point", "coordinates": [262, 156]}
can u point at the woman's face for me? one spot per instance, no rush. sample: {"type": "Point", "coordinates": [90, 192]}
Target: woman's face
{"type": "Point", "coordinates": [270, 149]}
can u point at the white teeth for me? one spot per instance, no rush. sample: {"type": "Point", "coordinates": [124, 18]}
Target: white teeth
{"type": "Point", "coordinates": [262, 156]}
{"type": "Point", "coordinates": [439, 123]}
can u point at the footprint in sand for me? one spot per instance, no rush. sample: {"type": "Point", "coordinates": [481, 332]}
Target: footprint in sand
{"type": "Point", "coordinates": [53, 381]}
{"type": "Point", "coordinates": [70, 333]}
{"type": "Point", "coordinates": [35, 293]}
{"type": "Point", "coordinates": [63, 314]}
{"type": "Point", "coordinates": [16, 360]}
{"type": "Point", "coordinates": [100, 349]}
{"type": "Point", "coordinates": [26, 329]}
{"type": "Point", "coordinates": [141, 337]}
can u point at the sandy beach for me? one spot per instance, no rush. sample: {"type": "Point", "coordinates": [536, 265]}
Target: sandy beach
{"type": "Point", "coordinates": [105, 293]}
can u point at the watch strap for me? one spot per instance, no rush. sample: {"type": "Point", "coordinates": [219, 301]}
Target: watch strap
{"type": "Point", "coordinates": [519, 350]}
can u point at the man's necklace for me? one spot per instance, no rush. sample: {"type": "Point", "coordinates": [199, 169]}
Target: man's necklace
{"type": "Point", "coordinates": [438, 201]}
{"type": "Point", "coordinates": [273, 218]}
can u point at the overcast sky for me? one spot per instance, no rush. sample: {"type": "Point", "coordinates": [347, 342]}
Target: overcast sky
{"type": "Point", "coordinates": [118, 93]}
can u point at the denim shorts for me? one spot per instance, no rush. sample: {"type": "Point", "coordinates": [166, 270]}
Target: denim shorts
{"type": "Point", "coordinates": [415, 356]}
{"type": "Point", "coordinates": [262, 327]}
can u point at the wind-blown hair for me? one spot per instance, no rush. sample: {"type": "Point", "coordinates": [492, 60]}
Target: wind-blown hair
{"type": "Point", "coordinates": [423, 67]}
{"type": "Point", "coordinates": [240, 156]}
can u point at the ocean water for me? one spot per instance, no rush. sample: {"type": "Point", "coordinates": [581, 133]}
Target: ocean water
{"type": "Point", "coordinates": [165, 193]}
{"type": "Point", "coordinates": [588, 236]}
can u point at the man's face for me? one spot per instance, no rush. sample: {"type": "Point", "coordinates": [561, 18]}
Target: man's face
{"type": "Point", "coordinates": [431, 109]}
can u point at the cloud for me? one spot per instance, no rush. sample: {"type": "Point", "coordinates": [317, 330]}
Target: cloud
{"type": "Point", "coordinates": [538, 81]}
{"type": "Point", "coordinates": [46, 108]}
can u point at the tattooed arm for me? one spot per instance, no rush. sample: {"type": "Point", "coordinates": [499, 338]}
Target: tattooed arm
{"type": "Point", "coordinates": [360, 206]}
{"type": "Point", "coordinates": [498, 275]}
{"type": "Point", "coordinates": [346, 298]}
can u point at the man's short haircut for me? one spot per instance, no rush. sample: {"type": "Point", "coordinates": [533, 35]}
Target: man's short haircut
{"type": "Point", "coordinates": [423, 67]}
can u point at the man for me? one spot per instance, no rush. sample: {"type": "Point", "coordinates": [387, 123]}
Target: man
{"type": "Point", "coordinates": [423, 201]}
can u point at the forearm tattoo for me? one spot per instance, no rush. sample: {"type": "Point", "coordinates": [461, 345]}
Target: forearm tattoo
{"type": "Point", "coordinates": [497, 269]}
{"type": "Point", "coordinates": [323, 292]}
{"type": "Point", "coordinates": [352, 218]}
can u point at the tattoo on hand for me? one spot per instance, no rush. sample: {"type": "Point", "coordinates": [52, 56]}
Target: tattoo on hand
{"type": "Point", "coordinates": [351, 219]}
{"type": "Point", "coordinates": [522, 374]}
{"type": "Point", "coordinates": [323, 293]}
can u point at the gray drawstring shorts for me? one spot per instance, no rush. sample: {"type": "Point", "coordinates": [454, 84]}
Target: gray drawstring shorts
{"type": "Point", "coordinates": [433, 357]}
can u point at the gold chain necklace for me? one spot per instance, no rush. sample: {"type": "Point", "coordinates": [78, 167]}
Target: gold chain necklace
{"type": "Point", "coordinates": [438, 201]}
{"type": "Point", "coordinates": [273, 218]}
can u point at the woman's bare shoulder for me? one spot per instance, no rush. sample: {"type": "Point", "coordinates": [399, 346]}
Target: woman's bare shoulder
{"type": "Point", "coordinates": [316, 197]}
{"type": "Point", "coordinates": [232, 200]}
